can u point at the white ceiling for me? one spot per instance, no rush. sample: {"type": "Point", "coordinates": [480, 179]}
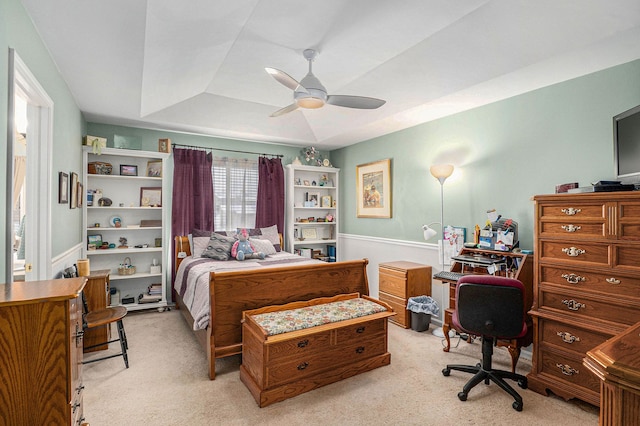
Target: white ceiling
{"type": "Point", "coordinates": [198, 65]}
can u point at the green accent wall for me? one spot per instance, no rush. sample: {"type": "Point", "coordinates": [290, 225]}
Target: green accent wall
{"type": "Point", "coordinates": [504, 153]}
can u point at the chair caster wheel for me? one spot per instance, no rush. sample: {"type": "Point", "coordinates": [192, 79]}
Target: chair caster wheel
{"type": "Point", "coordinates": [463, 397]}
{"type": "Point", "coordinates": [523, 383]}
{"type": "Point", "coordinates": [516, 405]}
{"type": "Point", "coordinates": [446, 372]}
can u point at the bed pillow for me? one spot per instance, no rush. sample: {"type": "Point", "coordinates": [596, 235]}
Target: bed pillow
{"type": "Point", "coordinates": [199, 246]}
{"type": "Point", "coordinates": [262, 245]}
{"type": "Point", "coordinates": [271, 233]}
{"type": "Point", "coordinates": [219, 247]}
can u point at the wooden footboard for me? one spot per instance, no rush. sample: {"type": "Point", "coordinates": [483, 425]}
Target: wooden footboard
{"type": "Point", "coordinates": [231, 293]}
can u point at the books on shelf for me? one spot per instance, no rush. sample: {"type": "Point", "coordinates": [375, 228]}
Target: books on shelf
{"type": "Point", "coordinates": [155, 289]}
{"type": "Point", "coordinates": [149, 298]}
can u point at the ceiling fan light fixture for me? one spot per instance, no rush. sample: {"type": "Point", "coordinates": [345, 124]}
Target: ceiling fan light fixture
{"type": "Point", "coordinates": [310, 102]}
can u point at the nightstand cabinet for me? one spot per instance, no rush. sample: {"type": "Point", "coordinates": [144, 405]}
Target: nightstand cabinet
{"type": "Point", "coordinates": [400, 280]}
{"type": "Point", "coordinates": [96, 293]}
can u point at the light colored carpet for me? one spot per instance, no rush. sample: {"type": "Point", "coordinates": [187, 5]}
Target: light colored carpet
{"type": "Point", "coordinates": [167, 384]}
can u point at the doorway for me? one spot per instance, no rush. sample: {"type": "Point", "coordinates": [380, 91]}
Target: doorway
{"type": "Point", "coordinates": [30, 131]}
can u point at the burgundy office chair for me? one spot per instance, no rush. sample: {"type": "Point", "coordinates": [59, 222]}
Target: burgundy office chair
{"type": "Point", "coordinates": [491, 307]}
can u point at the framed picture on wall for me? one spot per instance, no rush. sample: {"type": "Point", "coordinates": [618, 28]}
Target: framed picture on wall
{"type": "Point", "coordinates": [74, 190]}
{"type": "Point", "coordinates": [63, 188]}
{"type": "Point", "coordinates": [373, 190]}
{"type": "Point", "coordinates": [80, 194]}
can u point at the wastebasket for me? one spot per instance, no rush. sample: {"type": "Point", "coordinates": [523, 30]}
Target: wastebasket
{"type": "Point", "coordinates": [422, 307]}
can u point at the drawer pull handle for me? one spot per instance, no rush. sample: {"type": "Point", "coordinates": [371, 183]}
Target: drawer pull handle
{"type": "Point", "coordinates": [573, 305]}
{"type": "Point", "coordinates": [303, 366]}
{"type": "Point", "coordinates": [613, 281]}
{"type": "Point", "coordinates": [567, 370]}
{"type": "Point", "coordinates": [303, 343]}
{"type": "Point", "coordinates": [573, 278]}
{"type": "Point", "coordinates": [75, 407]}
{"type": "Point", "coordinates": [360, 330]}
{"type": "Point", "coordinates": [568, 337]}
{"type": "Point", "coordinates": [571, 228]}
{"type": "Point", "coordinates": [571, 211]}
{"type": "Point", "coordinates": [573, 251]}
{"type": "Point", "coordinates": [79, 389]}
{"type": "Point", "coordinates": [359, 349]}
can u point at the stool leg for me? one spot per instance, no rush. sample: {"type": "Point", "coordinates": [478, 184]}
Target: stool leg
{"type": "Point", "coordinates": [123, 342]}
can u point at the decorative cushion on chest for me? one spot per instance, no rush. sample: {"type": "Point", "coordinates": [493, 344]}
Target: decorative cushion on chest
{"type": "Point", "coordinates": [312, 316]}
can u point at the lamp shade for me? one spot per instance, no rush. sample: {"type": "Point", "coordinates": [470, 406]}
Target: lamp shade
{"type": "Point", "coordinates": [428, 231]}
{"type": "Point", "coordinates": [441, 171]}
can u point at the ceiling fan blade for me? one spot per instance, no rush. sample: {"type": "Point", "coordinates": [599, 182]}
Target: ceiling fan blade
{"type": "Point", "coordinates": [285, 110]}
{"type": "Point", "coordinates": [359, 102]}
{"type": "Point", "coordinates": [285, 79]}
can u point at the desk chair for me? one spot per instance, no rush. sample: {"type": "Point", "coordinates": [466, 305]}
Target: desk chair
{"type": "Point", "coordinates": [104, 318]}
{"type": "Point", "coordinates": [491, 307]}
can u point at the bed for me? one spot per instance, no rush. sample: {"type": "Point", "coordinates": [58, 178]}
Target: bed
{"type": "Point", "coordinates": [257, 283]}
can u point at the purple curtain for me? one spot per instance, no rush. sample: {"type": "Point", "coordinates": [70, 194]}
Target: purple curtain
{"type": "Point", "coordinates": [270, 205]}
{"type": "Point", "coordinates": [192, 193]}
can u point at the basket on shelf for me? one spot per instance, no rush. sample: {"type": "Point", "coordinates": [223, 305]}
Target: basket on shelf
{"type": "Point", "coordinates": [126, 268]}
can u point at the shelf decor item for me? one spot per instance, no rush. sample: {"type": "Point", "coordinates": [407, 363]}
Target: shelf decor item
{"type": "Point", "coordinates": [126, 268]}
{"type": "Point", "coordinates": [154, 168]}
{"type": "Point", "coordinates": [151, 197]}
{"type": "Point", "coordinates": [128, 170]}
{"type": "Point", "coordinates": [373, 197]}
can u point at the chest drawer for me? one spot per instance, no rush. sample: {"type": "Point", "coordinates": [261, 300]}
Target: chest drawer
{"type": "Point", "coordinates": [568, 368]}
{"type": "Point", "coordinates": [362, 331]}
{"type": "Point", "coordinates": [567, 337]}
{"type": "Point", "coordinates": [578, 279]}
{"type": "Point", "coordinates": [299, 346]}
{"type": "Point", "coordinates": [322, 360]}
{"type": "Point", "coordinates": [593, 254]}
{"type": "Point", "coordinates": [580, 305]}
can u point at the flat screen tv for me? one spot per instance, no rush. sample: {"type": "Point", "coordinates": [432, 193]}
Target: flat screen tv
{"type": "Point", "coordinates": [626, 145]}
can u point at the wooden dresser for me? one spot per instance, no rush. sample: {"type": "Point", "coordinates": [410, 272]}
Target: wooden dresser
{"type": "Point", "coordinates": [280, 366]}
{"type": "Point", "coordinates": [586, 285]}
{"type": "Point", "coordinates": [41, 352]}
{"type": "Point", "coordinates": [400, 280]}
{"type": "Point", "coordinates": [96, 293]}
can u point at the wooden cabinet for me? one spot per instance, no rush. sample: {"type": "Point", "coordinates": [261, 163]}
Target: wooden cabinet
{"type": "Point", "coordinates": [96, 293]}
{"type": "Point", "coordinates": [400, 280]}
{"type": "Point", "coordinates": [135, 224]}
{"type": "Point", "coordinates": [280, 366]}
{"type": "Point", "coordinates": [41, 352]}
{"type": "Point", "coordinates": [586, 285]}
{"type": "Point", "coordinates": [311, 197]}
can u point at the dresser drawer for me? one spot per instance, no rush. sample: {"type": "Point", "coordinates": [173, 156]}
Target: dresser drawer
{"type": "Point", "coordinates": [629, 221]}
{"type": "Point", "coordinates": [568, 368]}
{"type": "Point", "coordinates": [399, 306]}
{"type": "Point", "coordinates": [321, 360]}
{"type": "Point", "coordinates": [393, 282]}
{"type": "Point", "coordinates": [360, 332]}
{"type": "Point", "coordinates": [567, 337]}
{"type": "Point", "coordinates": [592, 254]}
{"type": "Point", "coordinates": [575, 230]}
{"type": "Point", "coordinates": [627, 257]}
{"type": "Point", "coordinates": [296, 347]}
{"type": "Point", "coordinates": [578, 279]}
{"type": "Point", "coordinates": [573, 211]}
{"type": "Point", "coordinates": [578, 305]}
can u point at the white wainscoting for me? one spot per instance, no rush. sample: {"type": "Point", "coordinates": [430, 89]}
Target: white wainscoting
{"type": "Point", "coordinates": [64, 260]}
{"type": "Point", "coordinates": [380, 250]}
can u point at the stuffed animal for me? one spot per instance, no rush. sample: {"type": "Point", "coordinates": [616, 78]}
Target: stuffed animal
{"type": "Point", "coordinates": [243, 249]}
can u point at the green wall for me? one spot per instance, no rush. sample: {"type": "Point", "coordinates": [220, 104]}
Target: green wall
{"type": "Point", "coordinates": [504, 153]}
{"type": "Point", "coordinates": [17, 32]}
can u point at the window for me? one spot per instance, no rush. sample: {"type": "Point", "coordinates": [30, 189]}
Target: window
{"type": "Point", "coordinates": [235, 193]}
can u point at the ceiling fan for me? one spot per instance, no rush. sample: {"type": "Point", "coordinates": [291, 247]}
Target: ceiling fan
{"type": "Point", "coordinates": [311, 94]}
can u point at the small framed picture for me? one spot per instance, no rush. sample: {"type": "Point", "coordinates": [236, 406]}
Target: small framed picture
{"type": "Point", "coordinates": [164, 145]}
{"type": "Point", "coordinates": [151, 197]}
{"type": "Point", "coordinates": [154, 168]}
{"type": "Point", "coordinates": [309, 234]}
{"type": "Point", "coordinates": [63, 188]}
{"type": "Point", "coordinates": [74, 190]}
{"type": "Point", "coordinates": [80, 192]}
{"type": "Point", "coordinates": [126, 170]}
{"type": "Point", "coordinates": [326, 201]}
{"type": "Point", "coordinates": [298, 181]}
{"type": "Point", "coordinates": [306, 183]}
{"type": "Point", "coordinates": [96, 240]}
{"type": "Point", "coordinates": [314, 199]}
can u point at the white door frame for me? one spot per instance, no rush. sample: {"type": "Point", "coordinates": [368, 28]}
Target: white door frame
{"type": "Point", "coordinates": [39, 167]}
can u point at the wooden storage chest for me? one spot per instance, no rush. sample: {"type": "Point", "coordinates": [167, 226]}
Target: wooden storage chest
{"type": "Point", "coordinates": [280, 366]}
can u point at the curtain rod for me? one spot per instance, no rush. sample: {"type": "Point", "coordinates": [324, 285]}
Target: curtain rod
{"type": "Point", "coordinates": [226, 150]}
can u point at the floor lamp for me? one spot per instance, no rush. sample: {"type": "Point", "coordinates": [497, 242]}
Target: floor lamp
{"type": "Point", "coordinates": [440, 172]}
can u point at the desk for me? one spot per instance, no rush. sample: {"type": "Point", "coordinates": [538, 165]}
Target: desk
{"type": "Point", "coordinates": [513, 265]}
